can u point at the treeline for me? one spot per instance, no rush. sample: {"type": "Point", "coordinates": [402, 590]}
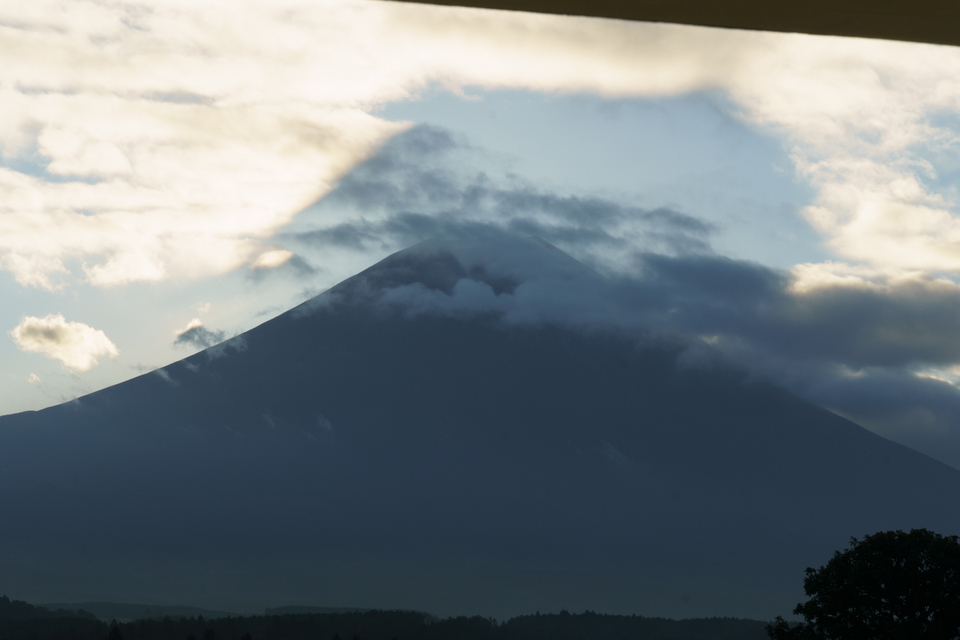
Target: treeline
{"type": "Point", "coordinates": [20, 610]}
{"type": "Point", "coordinates": [386, 625]}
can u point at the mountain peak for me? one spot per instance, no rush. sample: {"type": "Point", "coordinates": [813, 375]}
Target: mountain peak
{"type": "Point", "coordinates": [520, 278]}
{"type": "Point", "coordinates": [500, 260]}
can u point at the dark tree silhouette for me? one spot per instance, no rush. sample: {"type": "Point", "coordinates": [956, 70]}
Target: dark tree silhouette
{"type": "Point", "coordinates": [890, 585]}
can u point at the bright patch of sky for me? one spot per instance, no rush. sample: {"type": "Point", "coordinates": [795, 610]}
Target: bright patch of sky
{"type": "Point", "coordinates": [172, 173]}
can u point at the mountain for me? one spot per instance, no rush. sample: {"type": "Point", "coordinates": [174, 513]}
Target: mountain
{"type": "Point", "coordinates": [456, 430]}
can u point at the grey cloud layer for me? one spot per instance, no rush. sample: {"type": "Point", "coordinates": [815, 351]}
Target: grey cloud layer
{"type": "Point", "coordinates": [425, 183]}
{"type": "Point", "coordinates": [746, 308]}
{"type": "Point", "coordinates": [914, 322]}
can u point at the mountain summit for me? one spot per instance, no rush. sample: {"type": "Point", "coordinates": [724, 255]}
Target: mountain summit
{"type": "Point", "coordinates": [464, 427]}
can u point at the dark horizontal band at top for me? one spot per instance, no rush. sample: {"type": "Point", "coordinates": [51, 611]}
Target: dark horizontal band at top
{"type": "Point", "coordinates": [932, 21]}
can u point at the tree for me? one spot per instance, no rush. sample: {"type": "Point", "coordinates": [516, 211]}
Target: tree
{"type": "Point", "coordinates": [889, 586]}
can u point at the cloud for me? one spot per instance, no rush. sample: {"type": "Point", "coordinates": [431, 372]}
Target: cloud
{"type": "Point", "coordinates": [320, 432]}
{"type": "Point", "coordinates": [279, 261]}
{"type": "Point", "coordinates": [482, 270]}
{"type": "Point", "coordinates": [33, 379]}
{"type": "Point", "coordinates": [164, 375]}
{"type": "Point", "coordinates": [271, 259]}
{"type": "Point", "coordinates": [881, 350]}
{"type": "Point", "coordinates": [146, 141]}
{"type": "Point", "coordinates": [197, 335]}
{"type": "Point", "coordinates": [868, 138]}
{"type": "Point", "coordinates": [427, 182]}
{"type": "Point", "coordinates": [758, 313]}
{"type": "Point", "coordinates": [76, 345]}
{"type": "Point", "coordinates": [920, 411]}
{"type": "Point", "coordinates": [235, 344]}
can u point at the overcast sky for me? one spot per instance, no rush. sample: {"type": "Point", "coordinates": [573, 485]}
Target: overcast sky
{"type": "Point", "coordinates": [175, 173]}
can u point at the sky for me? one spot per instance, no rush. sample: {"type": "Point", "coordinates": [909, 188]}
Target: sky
{"type": "Point", "coordinates": [175, 173]}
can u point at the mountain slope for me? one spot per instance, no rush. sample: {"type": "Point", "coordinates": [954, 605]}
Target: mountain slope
{"type": "Point", "coordinates": [417, 438]}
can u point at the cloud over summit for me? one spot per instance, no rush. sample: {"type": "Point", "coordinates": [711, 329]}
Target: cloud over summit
{"type": "Point", "coordinates": [428, 182]}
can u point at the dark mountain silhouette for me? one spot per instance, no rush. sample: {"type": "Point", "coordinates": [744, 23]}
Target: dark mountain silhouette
{"type": "Point", "coordinates": [417, 438]}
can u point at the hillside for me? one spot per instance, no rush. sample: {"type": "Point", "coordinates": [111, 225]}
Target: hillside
{"type": "Point", "coordinates": [416, 438]}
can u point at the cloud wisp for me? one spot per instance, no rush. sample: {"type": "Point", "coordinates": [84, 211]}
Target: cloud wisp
{"type": "Point", "coordinates": [76, 345]}
{"type": "Point", "coordinates": [198, 336]}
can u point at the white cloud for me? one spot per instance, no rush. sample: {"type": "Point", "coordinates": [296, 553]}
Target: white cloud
{"type": "Point", "coordinates": [196, 323]}
{"type": "Point", "coordinates": [76, 345]}
{"type": "Point", "coordinates": [147, 140]}
{"type": "Point", "coordinates": [860, 114]}
{"type": "Point", "coordinates": [33, 379]}
{"type": "Point", "coordinates": [271, 259]}
{"type": "Point", "coordinates": [160, 141]}
{"type": "Point", "coordinates": [809, 278]}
